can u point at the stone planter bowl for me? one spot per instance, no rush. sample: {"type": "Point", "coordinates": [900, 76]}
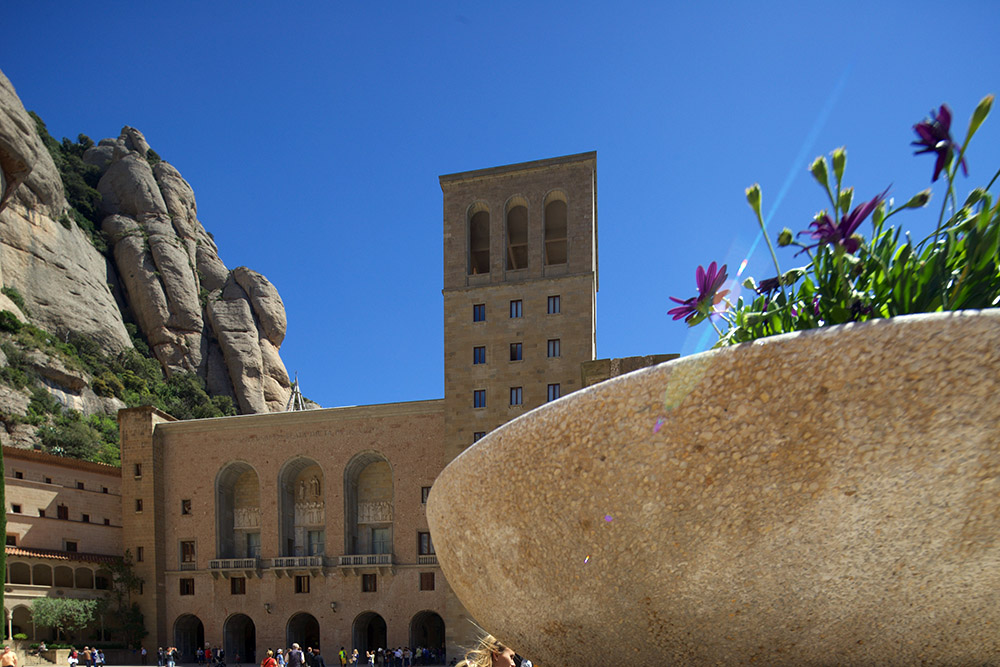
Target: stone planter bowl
{"type": "Point", "coordinates": [827, 497]}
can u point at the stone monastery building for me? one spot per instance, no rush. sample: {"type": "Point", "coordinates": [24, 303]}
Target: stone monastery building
{"type": "Point", "coordinates": [256, 531]}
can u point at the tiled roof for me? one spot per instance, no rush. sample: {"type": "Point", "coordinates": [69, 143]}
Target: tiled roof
{"type": "Point", "coordinates": [60, 555]}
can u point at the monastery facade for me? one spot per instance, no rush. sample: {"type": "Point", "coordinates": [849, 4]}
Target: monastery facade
{"type": "Point", "coordinates": [256, 531]}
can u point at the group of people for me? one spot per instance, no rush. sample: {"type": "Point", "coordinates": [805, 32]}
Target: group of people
{"type": "Point", "coordinates": [91, 657]}
{"type": "Point", "coordinates": [401, 656]}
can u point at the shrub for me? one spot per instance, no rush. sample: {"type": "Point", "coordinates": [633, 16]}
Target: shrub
{"type": "Point", "coordinates": [16, 298]}
{"type": "Point", "coordinates": [9, 322]}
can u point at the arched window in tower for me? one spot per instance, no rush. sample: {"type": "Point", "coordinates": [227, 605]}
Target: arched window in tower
{"type": "Point", "coordinates": [237, 512]}
{"type": "Point", "coordinates": [555, 229]}
{"type": "Point", "coordinates": [479, 239]}
{"type": "Point", "coordinates": [517, 236]}
{"type": "Point", "coordinates": [368, 499]}
{"type": "Point", "coordinates": [302, 508]}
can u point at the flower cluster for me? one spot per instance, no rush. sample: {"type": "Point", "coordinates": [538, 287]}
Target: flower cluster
{"type": "Point", "coordinates": [850, 278]}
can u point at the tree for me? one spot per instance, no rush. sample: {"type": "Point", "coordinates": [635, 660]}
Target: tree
{"type": "Point", "coordinates": [124, 582]}
{"type": "Point", "coordinates": [66, 615]}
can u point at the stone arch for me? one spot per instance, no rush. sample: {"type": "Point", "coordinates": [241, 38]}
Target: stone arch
{"type": "Point", "coordinates": [301, 508]}
{"type": "Point", "coordinates": [20, 619]}
{"type": "Point", "coordinates": [479, 238]}
{"type": "Point", "coordinates": [189, 634]}
{"type": "Point", "coordinates": [102, 580]}
{"type": "Point", "coordinates": [427, 630]}
{"type": "Point", "coordinates": [556, 228]}
{"type": "Point", "coordinates": [84, 577]}
{"type": "Point", "coordinates": [302, 628]}
{"type": "Point", "coordinates": [237, 511]}
{"type": "Point", "coordinates": [63, 576]}
{"type": "Point", "coordinates": [240, 639]}
{"type": "Point", "coordinates": [368, 504]}
{"type": "Point", "coordinates": [19, 573]}
{"type": "Point", "coordinates": [41, 574]}
{"type": "Point", "coordinates": [368, 632]}
{"type": "Point", "coordinates": [516, 232]}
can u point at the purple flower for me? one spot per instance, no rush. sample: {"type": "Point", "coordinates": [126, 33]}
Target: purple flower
{"type": "Point", "coordinates": [935, 137]}
{"type": "Point", "coordinates": [709, 295]}
{"type": "Point", "coordinates": [826, 231]}
{"type": "Point", "coordinates": [768, 286]}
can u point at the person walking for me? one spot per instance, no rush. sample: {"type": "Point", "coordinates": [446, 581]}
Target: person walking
{"type": "Point", "coordinates": [343, 656]}
{"type": "Point", "coordinates": [317, 659]}
{"type": "Point", "coordinates": [269, 660]}
{"type": "Point", "coordinates": [295, 657]}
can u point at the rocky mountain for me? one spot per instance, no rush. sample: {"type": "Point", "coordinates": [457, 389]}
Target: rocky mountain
{"type": "Point", "coordinates": [160, 269]}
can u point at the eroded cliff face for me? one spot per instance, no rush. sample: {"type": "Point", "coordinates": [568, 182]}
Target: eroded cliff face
{"type": "Point", "coordinates": [225, 325]}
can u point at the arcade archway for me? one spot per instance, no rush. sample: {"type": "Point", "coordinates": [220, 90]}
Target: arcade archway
{"type": "Point", "coordinates": [240, 637]}
{"type": "Point", "coordinates": [369, 632]}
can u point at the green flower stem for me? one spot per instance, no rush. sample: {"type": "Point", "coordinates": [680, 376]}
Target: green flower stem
{"type": "Point", "coordinates": [992, 180]}
{"type": "Point", "coordinates": [774, 257]}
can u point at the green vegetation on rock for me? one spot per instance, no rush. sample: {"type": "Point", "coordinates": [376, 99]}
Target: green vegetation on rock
{"type": "Point", "coordinates": [79, 181]}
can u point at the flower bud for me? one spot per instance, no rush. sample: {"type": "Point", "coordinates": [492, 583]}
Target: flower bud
{"type": "Point", "coordinates": [975, 196]}
{"type": "Point", "coordinates": [819, 171]}
{"type": "Point", "coordinates": [785, 238]}
{"type": "Point", "coordinates": [919, 200]}
{"type": "Point", "coordinates": [980, 114]}
{"type": "Point", "coordinates": [753, 197]}
{"type": "Point", "coordinates": [846, 197]}
{"type": "Point", "coordinates": [839, 162]}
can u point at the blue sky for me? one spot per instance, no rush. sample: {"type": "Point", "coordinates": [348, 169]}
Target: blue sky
{"type": "Point", "coordinates": [313, 134]}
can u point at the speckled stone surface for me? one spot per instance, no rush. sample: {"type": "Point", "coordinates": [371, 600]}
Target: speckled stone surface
{"type": "Point", "coordinates": [827, 497]}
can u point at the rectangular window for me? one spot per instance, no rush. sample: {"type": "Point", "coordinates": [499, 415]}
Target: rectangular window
{"type": "Point", "coordinates": [369, 583]}
{"type": "Point", "coordinates": [515, 352]}
{"type": "Point", "coordinates": [62, 512]}
{"type": "Point", "coordinates": [48, 480]}
{"type": "Point", "coordinates": [85, 518]}
{"type": "Point", "coordinates": [426, 581]}
{"type": "Point", "coordinates": [479, 398]}
{"type": "Point", "coordinates": [479, 355]}
{"type": "Point", "coordinates": [192, 589]}
{"type": "Point", "coordinates": [16, 509]}
{"type": "Point", "coordinates": [479, 312]}
{"type": "Point", "coordinates": [186, 506]}
{"type": "Point", "coordinates": [107, 522]}
{"type": "Point", "coordinates": [317, 542]}
{"type": "Point", "coordinates": [41, 512]}
{"type": "Point", "coordinates": [138, 470]}
{"type": "Point", "coordinates": [425, 491]}
{"type": "Point", "coordinates": [253, 545]}
{"type": "Point", "coordinates": [187, 551]}
{"type": "Point", "coordinates": [138, 504]}
{"type": "Point", "coordinates": [238, 586]}
{"type": "Point", "coordinates": [104, 489]}
{"type": "Point", "coordinates": [381, 541]}
{"type": "Point", "coordinates": [187, 587]}
{"type": "Point", "coordinates": [555, 348]}
{"type": "Point", "coordinates": [302, 583]}
{"type": "Point", "coordinates": [554, 392]}
{"type": "Point", "coordinates": [425, 547]}
{"type": "Point", "coordinates": [79, 485]}
{"type": "Point", "coordinates": [18, 474]}
{"type": "Point", "coordinates": [554, 305]}
{"type": "Point", "coordinates": [478, 435]}
{"type": "Point", "coordinates": [71, 545]}
{"type": "Point", "coordinates": [139, 554]}
{"type": "Point", "coordinates": [516, 308]}
{"type": "Point", "coordinates": [11, 540]}
{"type": "Point", "coordinates": [516, 395]}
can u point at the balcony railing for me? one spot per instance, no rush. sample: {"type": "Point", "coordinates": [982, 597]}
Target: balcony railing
{"type": "Point", "coordinates": [366, 560]}
{"type": "Point", "coordinates": [233, 564]}
{"type": "Point", "coordinates": [427, 559]}
{"type": "Point", "coordinates": [297, 561]}
{"type": "Point", "coordinates": [189, 566]}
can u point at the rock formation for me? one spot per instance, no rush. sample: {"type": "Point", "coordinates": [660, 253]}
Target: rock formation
{"type": "Point", "coordinates": [197, 315]}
